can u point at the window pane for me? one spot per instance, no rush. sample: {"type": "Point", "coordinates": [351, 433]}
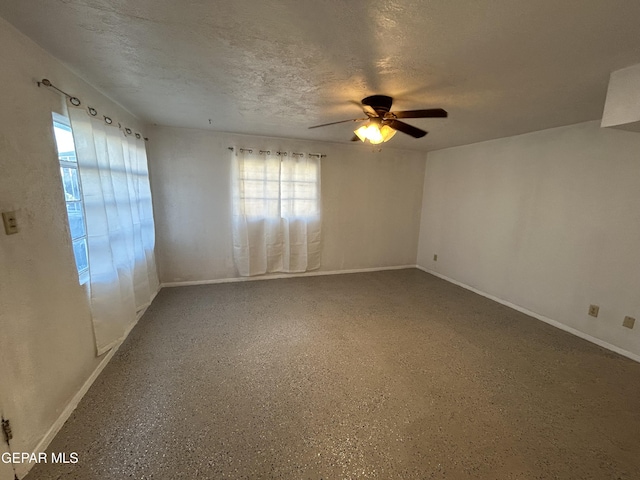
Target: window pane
{"type": "Point", "coordinates": [70, 183]}
{"type": "Point", "coordinates": [80, 252]}
{"type": "Point", "coordinates": [64, 142]}
{"type": "Point", "coordinates": [300, 192]}
{"type": "Point", "coordinates": [76, 219]}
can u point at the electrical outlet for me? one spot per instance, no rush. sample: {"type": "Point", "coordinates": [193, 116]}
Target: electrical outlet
{"type": "Point", "coordinates": [435, 257]}
{"type": "Point", "coordinates": [629, 322]}
{"type": "Point", "coordinates": [10, 222]}
{"type": "Point", "coordinates": [593, 310]}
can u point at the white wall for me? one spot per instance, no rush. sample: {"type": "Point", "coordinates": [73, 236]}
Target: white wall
{"type": "Point", "coordinates": [549, 221]}
{"type": "Point", "coordinates": [371, 202]}
{"type": "Point", "coordinates": [47, 349]}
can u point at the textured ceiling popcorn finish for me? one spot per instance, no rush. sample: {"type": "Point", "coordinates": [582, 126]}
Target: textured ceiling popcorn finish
{"type": "Point", "coordinates": [500, 67]}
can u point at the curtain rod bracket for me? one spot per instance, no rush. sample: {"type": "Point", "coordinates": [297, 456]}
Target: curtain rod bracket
{"type": "Point", "coordinates": [75, 101]}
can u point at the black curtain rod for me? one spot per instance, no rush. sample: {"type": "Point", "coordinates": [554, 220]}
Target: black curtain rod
{"type": "Point", "coordinates": [75, 101]}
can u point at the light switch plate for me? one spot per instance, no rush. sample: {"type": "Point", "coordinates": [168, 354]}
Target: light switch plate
{"type": "Point", "coordinates": [629, 322]}
{"type": "Point", "coordinates": [10, 222]}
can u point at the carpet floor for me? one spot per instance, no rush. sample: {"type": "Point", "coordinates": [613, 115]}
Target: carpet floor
{"type": "Point", "coordinates": [393, 374]}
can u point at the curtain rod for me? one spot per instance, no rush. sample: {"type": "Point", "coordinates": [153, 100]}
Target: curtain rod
{"type": "Point", "coordinates": [75, 101]}
{"type": "Point", "coordinates": [284, 154]}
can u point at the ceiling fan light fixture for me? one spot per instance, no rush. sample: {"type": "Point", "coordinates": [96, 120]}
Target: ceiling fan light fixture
{"type": "Point", "coordinates": [374, 133]}
{"type": "Point", "coordinates": [361, 132]}
{"type": "Point", "coordinates": [387, 133]}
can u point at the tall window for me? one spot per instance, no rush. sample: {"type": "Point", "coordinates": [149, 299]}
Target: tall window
{"type": "Point", "coordinates": [72, 193]}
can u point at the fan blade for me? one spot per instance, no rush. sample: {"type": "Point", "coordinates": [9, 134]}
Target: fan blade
{"type": "Point", "coordinates": [406, 128]}
{"type": "Point", "coordinates": [341, 121]}
{"type": "Point", "coordinates": [369, 110]}
{"type": "Point", "coordinates": [429, 113]}
{"type": "Point", "coordinates": [365, 108]}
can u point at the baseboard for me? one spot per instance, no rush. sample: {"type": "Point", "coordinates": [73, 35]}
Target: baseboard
{"type": "Point", "coordinates": [550, 321]}
{"type": "Point", "coordinates": [23, 468]}
{"type": "Point", "coordinates": [283, 275]}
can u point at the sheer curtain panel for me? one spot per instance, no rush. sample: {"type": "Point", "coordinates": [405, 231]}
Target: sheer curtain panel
{"type": "Point", "coordinates": [276, 212]}
{"type": "Point", "coordinates": [120, 229]}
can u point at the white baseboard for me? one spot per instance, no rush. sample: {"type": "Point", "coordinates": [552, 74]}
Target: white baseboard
{"type": "Point", "coordinates": [283, 275]}
{"type": "Point", "coordinates": [550, 321]}
{"type": "Point", "coordinates": [23, 468]}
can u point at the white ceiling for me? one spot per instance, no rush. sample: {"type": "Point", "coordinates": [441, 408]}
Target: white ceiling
{"type": "Point", "coordinates": [267, 67]}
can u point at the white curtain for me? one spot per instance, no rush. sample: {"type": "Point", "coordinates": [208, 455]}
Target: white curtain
{"type": "Point", "coordinates": [276, 212]}
{"type": "Point", "coordinates": [120, 229]}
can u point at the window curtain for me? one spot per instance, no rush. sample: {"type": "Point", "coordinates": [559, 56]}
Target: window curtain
{"type": "Point", "coordinates": [276, 212]}
{"type": "Point", "coordinates": [120, 229]}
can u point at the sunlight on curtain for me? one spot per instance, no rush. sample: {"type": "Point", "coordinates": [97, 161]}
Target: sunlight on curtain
{"type": "Point", "coordinates": [276, 212]}
{"type": "Point", "coordinates": [120, 228]}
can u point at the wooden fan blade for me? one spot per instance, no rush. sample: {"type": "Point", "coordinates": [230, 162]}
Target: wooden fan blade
{"type": "Point", "coordinates": [406, 128]}
{"type": "Point", "coordinates": [365, 108]}
{"type": "Point", "coordinates": [429, 113]}
{"type": "Point", "coordinates": [341, 121]}
{"type": "Point", "coordinates": [369, 110]}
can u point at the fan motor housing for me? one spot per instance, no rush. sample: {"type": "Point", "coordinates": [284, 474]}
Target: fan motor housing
{"type": "Point", "coordinates": [378, 102]}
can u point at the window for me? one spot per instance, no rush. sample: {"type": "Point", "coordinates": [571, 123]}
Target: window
{"type": "Point", "coordinates": [276, 224]}
{"type": "Point", "coordinates": [273, 188]}
{"type": "Point", "coordinates": [72, 193]}
{"type": "Point", "coordinates": [259, 188]}
{"type": "Point", "coordinates": [300, 190]}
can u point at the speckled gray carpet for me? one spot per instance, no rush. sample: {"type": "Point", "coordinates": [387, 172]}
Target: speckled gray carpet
{"type": "Point", "coordinates": [392, 374]}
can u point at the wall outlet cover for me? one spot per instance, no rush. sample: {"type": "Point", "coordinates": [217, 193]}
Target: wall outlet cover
{"type": "Point", "coordinates": [593, 310]}
{"type": "Point", "coordinates": [629, 322]}
{"type": "Point", "coordinates": [435, 257]}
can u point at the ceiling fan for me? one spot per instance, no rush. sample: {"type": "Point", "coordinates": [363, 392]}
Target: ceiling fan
{"type": "Point", "coordinates": [382, 123]}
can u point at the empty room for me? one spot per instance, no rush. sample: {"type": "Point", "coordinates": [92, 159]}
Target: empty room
{"type": "Point", "coordinates": [319, 239]}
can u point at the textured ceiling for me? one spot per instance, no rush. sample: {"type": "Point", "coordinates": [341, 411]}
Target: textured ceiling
{"type": "Point", "coordinates": [500, 67]}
